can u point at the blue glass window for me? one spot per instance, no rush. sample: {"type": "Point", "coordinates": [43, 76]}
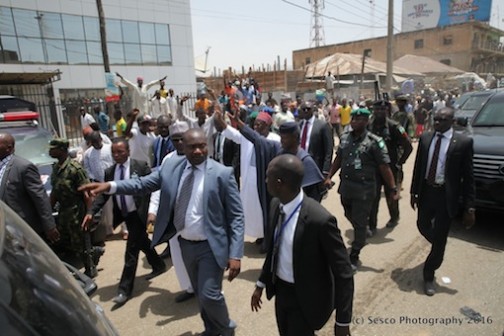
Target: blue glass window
{"type": "Point", "coordinates": [73, 27]}
{"type": "Point", "coordinates": [130, 32]}
{"type": "Point", "coordinates": [26, 23]}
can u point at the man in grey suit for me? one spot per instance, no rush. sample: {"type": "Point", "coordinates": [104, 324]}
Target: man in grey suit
{"type": "Point", "coordinates": [21, 189]}
{"type": "Point", "coordinates": [200, 199]}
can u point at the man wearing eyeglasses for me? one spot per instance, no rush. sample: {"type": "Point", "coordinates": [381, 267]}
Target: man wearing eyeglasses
{"type": "Point", "coordinates": [443, 175]}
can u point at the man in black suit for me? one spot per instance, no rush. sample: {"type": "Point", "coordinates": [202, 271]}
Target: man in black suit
{"type": "Point", "coordinates": [316, 138]}
{"type": "Point", "coordinates": [226, 151]}
{"type": "Point", "coordinates": [443, 175]}
{"type": "Point", "coordinates": [21, 189]}
{"type": "Point", "coordinates": [307, 267]}
{"type": "Point", "coordinates": [133, 211]}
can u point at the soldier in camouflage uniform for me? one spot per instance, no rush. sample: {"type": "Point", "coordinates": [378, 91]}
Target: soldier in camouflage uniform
{"type": "Point", "coordinates": [359, 155]}
{"type": "Point", "coordinates": [66, 177]}
{"type": "Point", "coordinates": [405, 119]}
{"type": "Point", "coordinates": [399, 149]}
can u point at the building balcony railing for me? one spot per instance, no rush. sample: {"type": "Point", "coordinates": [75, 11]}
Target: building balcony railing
{"type": "Point", "coordinates": [491, 46]}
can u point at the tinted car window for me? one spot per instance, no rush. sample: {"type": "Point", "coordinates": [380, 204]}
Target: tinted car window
{"type": "Point", "coordinates": [474, 102]}
{"type": "Point", "coordinates": [492, 114]}
{"type": "Point", "coordinates": [32, 143]}
{"type": "Point", "coordinates": [37, 290]}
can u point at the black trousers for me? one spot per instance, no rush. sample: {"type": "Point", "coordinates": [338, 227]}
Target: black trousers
{"type": "Point", "coordinates": [137, 241]}
{"type": "Point", "coordinates": [434, 224]}
{"type": "Point", "coordinates": [290, 318]}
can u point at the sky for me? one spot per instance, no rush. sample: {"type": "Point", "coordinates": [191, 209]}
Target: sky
{"type": "Point", "coordinates": [252, 33]}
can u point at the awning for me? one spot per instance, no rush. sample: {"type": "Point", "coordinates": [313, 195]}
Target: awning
{"type": "Point", "coordinates": [29, 77]}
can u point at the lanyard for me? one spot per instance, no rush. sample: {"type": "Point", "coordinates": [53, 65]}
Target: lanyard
{"type": "Point", "coordinates": [279, 231]}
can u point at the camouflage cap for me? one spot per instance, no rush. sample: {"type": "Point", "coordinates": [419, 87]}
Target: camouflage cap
{"type": "Point", "coordinates": [402, 97]}
{"type": "Point", "coordinates": [360, 112]}
{"type": "Point", "coordinates": [58, 143]}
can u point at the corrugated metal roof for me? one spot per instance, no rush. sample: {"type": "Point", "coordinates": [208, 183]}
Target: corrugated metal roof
{"type": "Point", "coordinates": [351, 64]}
{"type": "Point", "coordinates": [426, 65]}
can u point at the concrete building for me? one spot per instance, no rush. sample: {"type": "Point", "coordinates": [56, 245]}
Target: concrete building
{"type": "Point", "coordinates": [50, 51]}
{"type": "Point", "coordinates": [471, 46]}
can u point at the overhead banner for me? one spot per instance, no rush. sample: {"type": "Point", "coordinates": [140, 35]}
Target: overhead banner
{"type": "Point", "coordinates": [425, 14]}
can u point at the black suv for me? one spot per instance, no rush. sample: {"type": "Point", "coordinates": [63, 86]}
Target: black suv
{"type": "Point", "coordinates": [487, 130]}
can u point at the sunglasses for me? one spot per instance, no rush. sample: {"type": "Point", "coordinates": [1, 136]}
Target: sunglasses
{"type": "Point", "coordinates": [441, 119]}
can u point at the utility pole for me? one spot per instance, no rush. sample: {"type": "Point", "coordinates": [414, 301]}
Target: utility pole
{"type": "Point", "coordinates": [390, 44]}
{"type": "Point", "coordinates": [103, 35]}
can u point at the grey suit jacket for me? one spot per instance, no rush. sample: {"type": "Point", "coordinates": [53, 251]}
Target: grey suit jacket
{"type": "Point", "coordinates": [223, 214]}
{"type": "Point", "coordinates": [22, 190]}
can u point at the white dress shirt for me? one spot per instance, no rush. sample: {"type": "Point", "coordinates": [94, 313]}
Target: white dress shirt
{"type": "Point", "coordinates": [130, 202]}
{"type": "Point", "coordinates": [441, 164]}
{"type": "Point", "coordinates": [194, 220]}
{"type": "Point", "coordinates": [285, 268]}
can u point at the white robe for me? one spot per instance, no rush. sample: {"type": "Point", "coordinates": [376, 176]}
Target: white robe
{"type": "Point", "coordinates": [252, 210]}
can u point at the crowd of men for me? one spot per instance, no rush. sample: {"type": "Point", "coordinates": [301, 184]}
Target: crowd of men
{"type": "Point", "coordinates": [239, 169]}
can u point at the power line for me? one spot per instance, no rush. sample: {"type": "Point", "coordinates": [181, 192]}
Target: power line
{"type": "Point", "coordinates": [331, 17]}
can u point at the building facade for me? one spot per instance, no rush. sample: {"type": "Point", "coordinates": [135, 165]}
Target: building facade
{"type": "Point", "coordinates": [50, 51]}
{"type": "Point", "coordinates": [471, 46]}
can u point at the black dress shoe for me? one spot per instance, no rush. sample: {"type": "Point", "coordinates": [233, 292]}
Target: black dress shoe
{"type": "Point", "coordinates": [391, 223]}
{"type": "Point", "coordinates": [429, 288]}
{"type": "Point", "coordinates": [155, 273]}
{"type": "Point", "coordinates": [166, 253]}
{"type": "Point", "coordinates": [120, 299]}
{"type": "Point", "coordinates": [184, 297]}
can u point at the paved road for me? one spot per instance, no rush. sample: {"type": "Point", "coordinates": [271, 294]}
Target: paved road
{"type": "Point", "coordinates": [389, 298]}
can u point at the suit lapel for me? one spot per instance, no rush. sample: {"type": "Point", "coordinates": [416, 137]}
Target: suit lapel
{"type": "Point", "coordinates": [297, 245]}
{"type": "Point", "coordinates": [209, 178]}
{"type": "Point", "coordinates": [451, 148]}
{"type": "Point", "coordinates": [5, 178]}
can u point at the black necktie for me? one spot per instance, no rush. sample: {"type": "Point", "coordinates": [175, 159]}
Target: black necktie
{"type": "Point", "coordinates": [162, 152]}
{"type": "Point", "coordinates": [122, 198]}
{"type": "Point", "coordinates": [276, 245]}
{"type": "Point", "coordinates": [431, 176]}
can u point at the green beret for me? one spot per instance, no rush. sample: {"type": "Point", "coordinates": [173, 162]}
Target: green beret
{"type": "Point", "coordinates": [58, 143]}
{"type": "Point", "coordinates": [361, 112]}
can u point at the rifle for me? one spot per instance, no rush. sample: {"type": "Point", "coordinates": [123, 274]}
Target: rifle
{"type": "Point", "coordinates": [89, 253]}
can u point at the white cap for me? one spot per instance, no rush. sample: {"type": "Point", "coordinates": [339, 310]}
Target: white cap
{"type": "Point", "coordinates": [178, 127]}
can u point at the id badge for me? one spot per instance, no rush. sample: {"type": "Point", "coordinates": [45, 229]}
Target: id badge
{"type": "Point", "coordinates": [357, 163]}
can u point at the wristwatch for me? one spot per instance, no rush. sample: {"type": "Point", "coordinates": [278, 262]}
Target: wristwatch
{"type": "Point", "coordinates": [471, 210]}
{"type": "Point", "coordinates": [394, 189]}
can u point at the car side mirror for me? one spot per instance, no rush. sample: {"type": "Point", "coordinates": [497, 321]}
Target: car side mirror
{"type": "Point", "coordinates": [462, 121]}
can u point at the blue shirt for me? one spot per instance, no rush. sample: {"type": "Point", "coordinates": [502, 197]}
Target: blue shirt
{"type": "Point", "coordinates": [103, 122]}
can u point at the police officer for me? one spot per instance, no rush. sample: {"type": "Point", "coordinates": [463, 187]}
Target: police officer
{"type": "Point", "coordinates": [399, 149]}
{"type": "Point", "coordinates": [67, 175]}
{"type": "Point", "coordinates": [359, 155]}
